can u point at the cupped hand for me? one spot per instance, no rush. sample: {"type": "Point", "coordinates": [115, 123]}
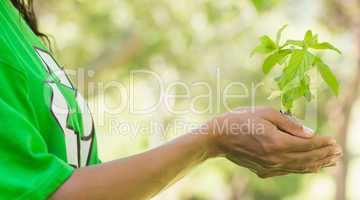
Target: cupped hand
{"type": "Point", "coordinates": [270, 143]}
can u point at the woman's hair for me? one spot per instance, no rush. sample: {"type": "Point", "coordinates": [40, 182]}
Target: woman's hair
{"type": "Point", "coordinates": [26, 9]}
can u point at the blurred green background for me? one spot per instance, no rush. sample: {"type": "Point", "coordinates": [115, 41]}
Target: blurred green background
{"type": "Point", "coordinates": [190, 40]}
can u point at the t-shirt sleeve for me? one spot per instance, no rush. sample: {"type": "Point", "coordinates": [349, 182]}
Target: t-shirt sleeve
{"type": "Point", "coordinates": [27, 169]}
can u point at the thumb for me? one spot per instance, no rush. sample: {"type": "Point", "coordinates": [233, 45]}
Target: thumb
{"type": "Point", "coordinates": [288, 124]}
{"type": "Point", "coordinates": [292, 126]}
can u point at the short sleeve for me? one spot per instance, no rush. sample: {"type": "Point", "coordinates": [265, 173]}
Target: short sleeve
{"type": "Point", "coordinates": [27, 170]}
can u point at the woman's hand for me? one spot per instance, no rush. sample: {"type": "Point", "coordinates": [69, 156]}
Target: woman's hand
{"type": "Point", "coordinates": [270, 143]}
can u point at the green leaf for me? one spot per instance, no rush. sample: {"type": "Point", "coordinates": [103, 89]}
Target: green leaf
{"type": "Point", "coordinates": [305, 84]}
{"type": "Point", "coordinates": [325, 45]}
{"type": "Point", "coordinates": [308, 38]}
{"type": "Point", "coordinates": [268, 42]}
{"type": "Point", "coordinates": [287, 101]}
{"type": "Point", "coordinates": [283, 60]}
{"type": "Point", "coordinates": [308, 95]}
{"type": "Point", "coordinates": [292, 94]}
{"type": "Point", "coordinates": [261, 50]}
{"type": "Point", "coordinates": [267, 45]}
{"type": "Point", "coordinates": [274, 59]}
{"type": "Point", "coordinates": [309, 60]}
{"type": "Point", "coordinates": [328, 76]}
{"type": "Point", "coordinates": [290, 71]}
{"type": "Point", "coordinates": [262, 5]}
{"type": "Point", "coordinates": [279, 33]}
{"type": "Point", "coordinates": [288, 97]}
{"type": "Point", "coordinates": [298, 43]}
{"type": "Point", "coordinates": [314, 40]}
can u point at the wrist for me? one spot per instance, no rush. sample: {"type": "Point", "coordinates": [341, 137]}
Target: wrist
{"type": "Point", "coordinates": [208, 142]}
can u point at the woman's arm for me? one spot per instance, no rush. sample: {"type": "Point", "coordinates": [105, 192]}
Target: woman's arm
{"type": "Point", "coordinates": [137, 177]}
{"type": "Point", "coordinates": [268, 153]}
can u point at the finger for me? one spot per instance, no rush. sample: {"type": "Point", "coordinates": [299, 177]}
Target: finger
{"type": "Point", "coordinates": [317, 154]}
{"type": "Point", "coordinates": [327, 162]}
{"type": "Point", "coordinates": [294, 144]}
{"type": "Point", "coordinates": [259, 170]}
{"type": "Point", "coordinates": [272, 174]}
{"type": "Point", "coordinates": [286, 123]}
{"type": "Point", "coordinates": [308, 160]}
{"type": "Point", "coordinates": [330, 165]}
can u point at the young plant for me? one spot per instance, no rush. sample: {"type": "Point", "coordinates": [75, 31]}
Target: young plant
{"type": "Point", "coordinates": [297, 58]}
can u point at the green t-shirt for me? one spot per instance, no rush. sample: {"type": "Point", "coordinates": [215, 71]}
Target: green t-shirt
{"type": "Point", "coordinates": [46, 129]}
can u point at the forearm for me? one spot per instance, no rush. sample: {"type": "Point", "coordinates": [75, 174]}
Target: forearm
{"type": "Point", "coordinates": [137, 177]}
